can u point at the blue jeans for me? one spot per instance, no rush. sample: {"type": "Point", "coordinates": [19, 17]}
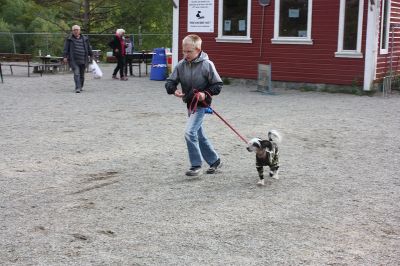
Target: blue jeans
{"type": "Point", "coordinates": [199, 147]}
{"type": "Point", "coordinates": [79, 75]}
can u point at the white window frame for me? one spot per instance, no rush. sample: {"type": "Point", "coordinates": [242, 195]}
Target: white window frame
{"type": "Point", "coordinates": [385, 38]}
{"type": "Point", "coordinates": [292, 40]}
{"type": "Point", "coordinates": [350, 53]}
{"type": "Point", "coordinates": [237, 39]}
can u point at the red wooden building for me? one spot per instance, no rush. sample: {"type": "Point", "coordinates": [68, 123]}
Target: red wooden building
{"type": "Point", "coordinates": [340, 42]}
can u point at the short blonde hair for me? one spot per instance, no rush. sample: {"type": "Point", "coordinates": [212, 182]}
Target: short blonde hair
{"type": "Point", "coordinates": [120, 31]}
{"type": "Point", "coordinates": [193, 39]}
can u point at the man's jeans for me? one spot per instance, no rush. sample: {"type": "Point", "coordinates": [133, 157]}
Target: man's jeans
{"type": "Point", "coordinates": [79, 75]}
{"type": "Point", "coordinates": [199, 147]}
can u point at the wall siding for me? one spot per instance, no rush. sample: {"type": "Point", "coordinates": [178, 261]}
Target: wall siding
{"type": "Point", "coordinates": [383, 60]}
{"type": "Point", "coordinates": [292, 63]}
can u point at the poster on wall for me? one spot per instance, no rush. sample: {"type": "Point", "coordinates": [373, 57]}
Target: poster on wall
{"type": "Point", "coordinates": [200, 15]}
{"type": "Point", "coordinates": [227, 25]}
{"type": "Point", "coordinates": [242, 25]}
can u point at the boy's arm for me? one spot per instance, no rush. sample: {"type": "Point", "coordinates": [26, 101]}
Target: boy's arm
{"type": "Point", "coordinates": [172, 82]}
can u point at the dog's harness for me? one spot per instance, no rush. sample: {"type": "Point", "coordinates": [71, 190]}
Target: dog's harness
{"type": "Point", "coordinates": [193, 108]}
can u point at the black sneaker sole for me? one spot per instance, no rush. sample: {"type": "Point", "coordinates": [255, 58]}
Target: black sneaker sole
{"type": "Point", "coordinates": [195, 171]}
{"type": "Point", "coordinates": [193, 174]}
{"type": "Point", "coordinates": [213, 170]}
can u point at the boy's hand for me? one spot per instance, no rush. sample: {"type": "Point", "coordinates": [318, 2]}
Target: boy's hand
{"type": "Point", "coordinates": [202, 96]}
{"type": "Point", "coordinates": [179, 93]}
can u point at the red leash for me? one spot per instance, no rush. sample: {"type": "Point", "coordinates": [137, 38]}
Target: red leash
{"type": "Point", "coordinates": [193, 108]}
{"type": "Point", "coordinates": [226, 123]}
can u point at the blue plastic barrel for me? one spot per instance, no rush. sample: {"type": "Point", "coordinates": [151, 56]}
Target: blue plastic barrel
{"type": "Point", "coordinates": [158, 65]}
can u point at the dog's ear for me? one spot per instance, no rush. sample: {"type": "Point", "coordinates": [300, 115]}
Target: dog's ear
{"type": "Point", "coordinates": [266, 144]}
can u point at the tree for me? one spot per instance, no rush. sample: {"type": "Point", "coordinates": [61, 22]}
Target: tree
{"type": "Point", "coordinates": [92, 15]}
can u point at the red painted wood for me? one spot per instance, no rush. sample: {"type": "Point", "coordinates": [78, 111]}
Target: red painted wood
{"type": "Point", "coordinates": [314, 63]}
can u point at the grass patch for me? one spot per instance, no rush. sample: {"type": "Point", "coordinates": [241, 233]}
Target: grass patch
{"type": "Point", "coordinates": [226, 81]}
{"type": "Point", "coordinates": [338, 89]}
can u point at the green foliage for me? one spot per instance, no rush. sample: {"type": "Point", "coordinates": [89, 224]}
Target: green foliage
{"type": "Point", "coordinates": [17, 13]}
{"type": "Point", "coordinates": [149, 22]}
{"type": "Point", "coordinates": [4, 27]}
{"type": "Point", "coordinates": [144, 19]}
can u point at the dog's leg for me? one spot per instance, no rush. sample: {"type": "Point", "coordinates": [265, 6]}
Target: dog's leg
{"type": "Point", "coordinates": [274, 164]}
{"type": "Point", "coordinates": [260, 170]}
{"type": "Point", "coordinates": [273, 172]}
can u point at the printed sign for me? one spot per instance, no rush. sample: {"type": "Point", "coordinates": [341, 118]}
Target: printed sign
{"type": "Point", "coordinates": [227, 25]}
{"type": "Point", "coordinates": [294, 13]}
{"type": "Point", "coordinates": [242, 25]}
{"type": "Point", "coordinates": [200, 15]}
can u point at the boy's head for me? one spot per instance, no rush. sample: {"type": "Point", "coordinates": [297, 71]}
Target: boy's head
{"type": "Point", "coordinates": [191, 47]}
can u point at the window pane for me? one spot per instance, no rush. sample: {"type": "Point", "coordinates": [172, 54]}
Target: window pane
{"type": "Point", "coordinates": [384, 35]}
{"type": "Point", "coordinates": [350, 25]}
{"type": "Point", "coordinates": [235, 18]}
{"type": "Point", "coordinates": [293, 18]}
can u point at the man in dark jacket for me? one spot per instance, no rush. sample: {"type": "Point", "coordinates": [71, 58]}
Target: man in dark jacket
{"type": "Point", "coordinates": [77, 51]}
{"type": "Point", "coordinates": [200, 81]}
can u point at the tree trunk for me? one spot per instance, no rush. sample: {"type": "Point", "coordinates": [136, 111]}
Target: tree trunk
{"type": "Point", "coordinates": [86, 15]}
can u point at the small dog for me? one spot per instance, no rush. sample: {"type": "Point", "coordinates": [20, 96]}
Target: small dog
{"type": "Point", "coordinates": [267, 154]}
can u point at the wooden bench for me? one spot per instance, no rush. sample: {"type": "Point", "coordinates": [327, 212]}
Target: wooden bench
{"type": "Point", "coordinates": [16, 60]}
{"type": "Point", "coordinates": [25, 60]}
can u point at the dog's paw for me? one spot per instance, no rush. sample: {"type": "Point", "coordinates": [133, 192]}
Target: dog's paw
{"type": "Point", "coordinates": [274, 174]}
{"type": "Point", "coordinates": [260, 182]}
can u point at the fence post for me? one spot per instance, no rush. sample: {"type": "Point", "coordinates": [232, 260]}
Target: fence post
{"type": "Point", "coordinates": [12, 36]}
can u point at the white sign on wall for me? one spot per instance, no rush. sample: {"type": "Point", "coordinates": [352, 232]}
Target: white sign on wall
{"type": "Point", "coordinates": [200, 15]}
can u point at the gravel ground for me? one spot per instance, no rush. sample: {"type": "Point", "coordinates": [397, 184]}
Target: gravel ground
{"type": "Point", "coordinates": [97, 178]}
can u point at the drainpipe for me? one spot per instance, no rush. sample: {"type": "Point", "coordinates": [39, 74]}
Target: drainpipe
{"type": "Point", "coordinates": [175, 34]}
{"type": "Point", "coordinates": [371, 45]}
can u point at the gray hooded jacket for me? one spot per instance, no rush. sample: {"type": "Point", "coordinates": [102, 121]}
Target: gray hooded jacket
{"type": "Point", "coordinates": [200, 75]}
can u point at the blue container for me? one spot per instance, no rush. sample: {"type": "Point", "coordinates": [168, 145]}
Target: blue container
{"type": "Point", "coordinates": [158, 65]}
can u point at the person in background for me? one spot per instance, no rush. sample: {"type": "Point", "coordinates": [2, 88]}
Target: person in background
{"type": "Point", "coordinates": [77, 52]}
{"type": "Point", "coordinates": [129, 51]}
{"type": "Point", "coordinates": [118, 46]}
{"type": "Point", "coordinates": [200, 81]}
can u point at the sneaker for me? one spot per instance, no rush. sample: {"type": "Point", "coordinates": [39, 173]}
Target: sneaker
{"type": "Point", "coordinates": [115, 77]}
{"type": "Point", "coordinates": [213, 168]}
{"type": "Point", "coordinates": [194, 171]}
{"type": "Point", "coordinates": [261, 182]}
{"type": "Point", "coordinates": [77, 91]}
{"type": "Point", "coordinates": [124, 78]}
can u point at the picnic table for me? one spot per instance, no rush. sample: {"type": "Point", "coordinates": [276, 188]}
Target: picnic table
{"type": "Point", "coordinates": [51, 64]}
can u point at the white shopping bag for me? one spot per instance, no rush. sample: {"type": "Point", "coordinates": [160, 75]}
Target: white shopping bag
{"type": "Point", "coordinates": [97, 73]}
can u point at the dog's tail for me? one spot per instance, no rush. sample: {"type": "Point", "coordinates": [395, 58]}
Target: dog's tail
{"type": "Point", "coordinates": [274, 135]}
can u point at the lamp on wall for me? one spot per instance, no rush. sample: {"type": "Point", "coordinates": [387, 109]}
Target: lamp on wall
{"type": "Point", "coordinates": [264, 2]}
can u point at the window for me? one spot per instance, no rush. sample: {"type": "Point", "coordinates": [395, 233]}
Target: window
{"type": "Point", "coordinates": [350, 28]}
{"type": "Point", "coordinates": [292, 21]}
{"type": "Point", "coordinates": [234, 21]}
{"type": "Point", "coordinates": [385, 26]}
